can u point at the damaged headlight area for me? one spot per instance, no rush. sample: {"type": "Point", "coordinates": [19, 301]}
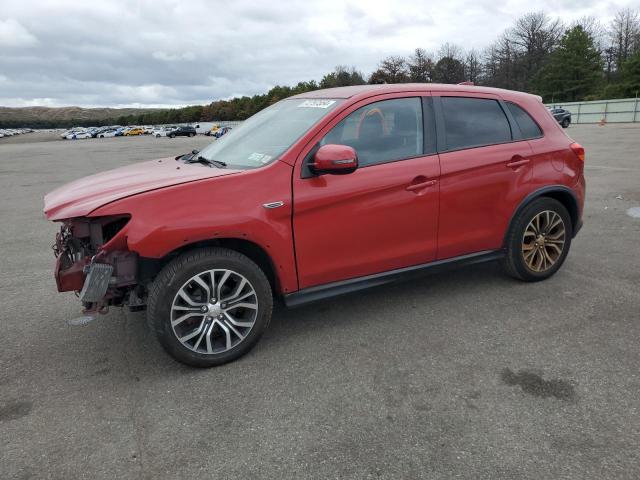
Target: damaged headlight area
{"type": "Point", "coordinates": [93, 260]}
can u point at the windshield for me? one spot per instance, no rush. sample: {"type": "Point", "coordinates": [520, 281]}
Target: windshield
{"type": "Point", "coordinates": [269, 133]}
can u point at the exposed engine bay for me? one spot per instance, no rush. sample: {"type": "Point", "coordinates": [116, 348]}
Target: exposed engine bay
{"type": "Point", "coordinates": [92, 259]}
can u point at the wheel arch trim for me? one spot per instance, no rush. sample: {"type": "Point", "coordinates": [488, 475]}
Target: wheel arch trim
{"type": "Point", "coordinates": [250, 248]}
{"type": "Point", "coordinates": [549, 191]}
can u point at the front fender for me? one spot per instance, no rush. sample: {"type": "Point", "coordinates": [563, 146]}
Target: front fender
{"type": "Point", "coordinates": [170, 218]}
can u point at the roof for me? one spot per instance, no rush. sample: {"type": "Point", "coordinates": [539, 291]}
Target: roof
{"type": "Point", "coordinates": [368, 90]}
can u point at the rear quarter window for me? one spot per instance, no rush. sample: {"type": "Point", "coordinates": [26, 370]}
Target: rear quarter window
{"type": "Point", "coordinates": [474, 122]}
{"type": "Point", "coordinates": [528, 127]}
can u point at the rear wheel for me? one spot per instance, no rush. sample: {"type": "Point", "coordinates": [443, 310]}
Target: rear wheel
{"type": "Point", "coordinates": [209, 306]}
{"type": "Point", "coordinates": [172, 136]}
{"type": "Point", "coordinates": [539, 240]}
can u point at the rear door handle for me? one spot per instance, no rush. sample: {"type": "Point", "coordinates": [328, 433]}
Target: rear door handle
{"type": "Point", "coordinates": [421, 185]}
{"type": "Point", "coordinates": [517, 161]}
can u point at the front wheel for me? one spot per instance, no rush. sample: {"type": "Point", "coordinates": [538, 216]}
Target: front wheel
{"type": "Point", "coordinates": [172, 136]}
{"type": "Point", "coordinates": [209, 306]}
{"type": "Point", "coordinates": [565, 123]}
{"type": "Point", "coordinates": [539, 239]}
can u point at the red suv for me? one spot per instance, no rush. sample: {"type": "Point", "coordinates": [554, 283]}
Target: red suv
{"type": "Point", "coordinates": [321, 194]}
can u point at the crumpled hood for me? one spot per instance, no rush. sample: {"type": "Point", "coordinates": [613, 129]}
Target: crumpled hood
{"type": "Point", "coordinates": [81, 197]}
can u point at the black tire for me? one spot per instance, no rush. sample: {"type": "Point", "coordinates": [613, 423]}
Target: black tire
{"type": "Point", "coordinates": [171, 279]}
{"type": "Point", "coordinates": [565, 123]}
{"type": "Point", "coordinates": [157, 135]}
{"type": "Point", "coordinates": [514, 262]}
{"type": "Point", "coordinates": [172, 136]}
{"type": "Point", "coordinates": [192, 135]}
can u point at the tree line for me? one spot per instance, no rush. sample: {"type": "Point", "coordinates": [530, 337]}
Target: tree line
{"type": "Point", "coordinates": [584, 60]}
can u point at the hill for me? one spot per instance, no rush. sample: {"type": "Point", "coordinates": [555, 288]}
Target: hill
{"type": "Point", "coordinates": [63, 116]}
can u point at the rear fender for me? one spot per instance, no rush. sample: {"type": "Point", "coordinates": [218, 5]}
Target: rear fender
{"type": "Point", "coordinates": [569, 199]}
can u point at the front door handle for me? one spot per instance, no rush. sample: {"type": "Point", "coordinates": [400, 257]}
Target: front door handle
{"type": "Point", "coordinates": [421, 185]}
{"type": "Point", "coordinates": [517, 161]}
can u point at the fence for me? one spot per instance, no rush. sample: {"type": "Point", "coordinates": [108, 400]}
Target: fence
{"type": "Point", "coordinates": [235, 123]}
{"type": "Point", "coordinates": [624, 110]}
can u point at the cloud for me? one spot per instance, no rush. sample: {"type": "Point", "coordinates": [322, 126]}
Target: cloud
{"type": "Point", "coordinates": [172, 52]}
{"type": "Point", "coordinates": [13, 34]}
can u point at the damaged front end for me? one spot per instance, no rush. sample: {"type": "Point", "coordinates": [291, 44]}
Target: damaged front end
{"type": "Point", "coordinates": [93, 260]}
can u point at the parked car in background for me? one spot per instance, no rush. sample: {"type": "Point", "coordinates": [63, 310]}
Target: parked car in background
{"type": "Point", "coordinates": [221, 131]}
{"type": "Point", "coordinates": [217, 131]}
{"type": "Point", "coordinates": [134, 131]}
{"type": "Point", "coordinates": [321, 194]}
{"type": "Point", "coordinates": [10, 132]}
{"type": "Point", "coordinates": [211, 132]}
{"type": "Point", "coordinates": [97, 131]}
{"type": "Point", "coordinates": [562, 116]}
{"type": "Point", "coordinates": [203, 127]}
{"type": "Point", "coordinates": [78, 135]}
{"type": "Point", "coordinates": [162, 131]}
{"type": "Point", "coordinates": [107, 133]}
{"type": "Point", "coordinates": [182, 131]}
{"type": "Point", "coordinates": [69, 133]}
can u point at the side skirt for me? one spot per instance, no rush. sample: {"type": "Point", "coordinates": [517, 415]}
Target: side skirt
{"type": "Point", "coordinates": [320, 292]}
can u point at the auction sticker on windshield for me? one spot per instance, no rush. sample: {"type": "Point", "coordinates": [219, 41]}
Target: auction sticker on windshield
{"type": "Point", "coordinates": [259, 157]}
{"type": "Point", "coordinates": [317, 103]}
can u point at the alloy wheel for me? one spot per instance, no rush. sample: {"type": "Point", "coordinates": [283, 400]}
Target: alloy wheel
{"type": "Point", "coordinates": [214, 311]}
{"type": "Point", "coordinates": [543, 241]}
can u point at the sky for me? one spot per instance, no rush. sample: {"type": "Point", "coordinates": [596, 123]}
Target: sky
{"type": "Point", "coordinates": [173, 53]}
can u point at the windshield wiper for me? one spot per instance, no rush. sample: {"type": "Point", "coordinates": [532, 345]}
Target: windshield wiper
{"type": "Point", "coordinates": [187, 156]}
{"type": "Point", "coordinates": [206, 161]}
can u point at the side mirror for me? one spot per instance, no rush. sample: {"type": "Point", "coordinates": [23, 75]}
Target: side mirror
{"type": "Point", "coordinates": [334, 159]}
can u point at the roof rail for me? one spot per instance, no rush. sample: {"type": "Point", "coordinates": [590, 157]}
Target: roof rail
{"type": "Point", "coordinates": [467, 83]}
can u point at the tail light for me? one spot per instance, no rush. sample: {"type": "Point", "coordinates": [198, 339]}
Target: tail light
{"type": "Point", "coordinates": [578, 150]}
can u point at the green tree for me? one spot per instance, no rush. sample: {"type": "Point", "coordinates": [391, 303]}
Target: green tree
{"type": "Point", "coordinates": [448, 70]}
{"type": "Point", "coordinates": [574, 70]}
{"type": "Point", "coordinates": [521, 51]}
{"type": "Point", "coordinates": [631, 74]}
{"type": "Point", "coordinates": [392, 69]}
{"type": "Point", "coordinates": [420, 66]}
{"type": "Point", "coordinates": [342, 76]}
{"type": "Point", "coordinates": [628, 84]}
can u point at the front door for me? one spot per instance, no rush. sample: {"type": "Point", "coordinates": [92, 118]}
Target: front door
{"type": "Point", "coordinates": [384, 215]}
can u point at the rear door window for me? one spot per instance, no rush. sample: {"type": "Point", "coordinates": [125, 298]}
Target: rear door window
{"type": "Point", "coordinates": [528, 126]}
{"type": "Point", "coordinates": [474, 122]}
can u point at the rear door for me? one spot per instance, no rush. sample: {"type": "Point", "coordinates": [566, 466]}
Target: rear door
{"type": "Point", "coordinates": [485, 168]}
{"type": "Point", "coordinates": [384, 215]}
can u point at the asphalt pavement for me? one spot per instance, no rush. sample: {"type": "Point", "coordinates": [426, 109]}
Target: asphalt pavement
{"type": "Point", "coordinates": [467, 374]}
